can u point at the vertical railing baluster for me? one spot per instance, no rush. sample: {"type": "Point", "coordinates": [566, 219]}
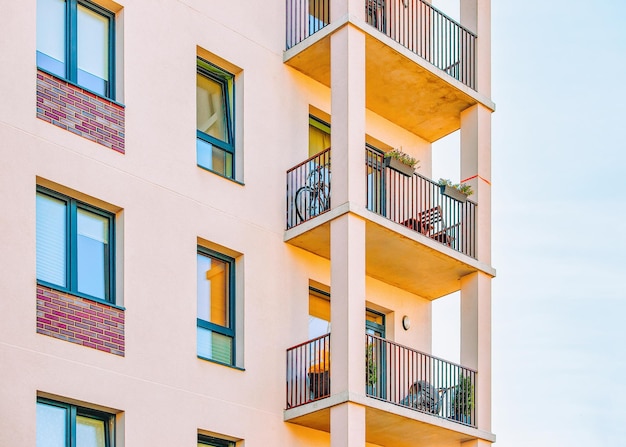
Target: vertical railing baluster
{"type": "Point", "coordinates": [440, 381]}
{"type": "Point", "coordinates": [425, 31]}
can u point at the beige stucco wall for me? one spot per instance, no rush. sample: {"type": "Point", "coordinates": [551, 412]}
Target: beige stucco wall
{"type": "Point", "coordinates": [164, 205]}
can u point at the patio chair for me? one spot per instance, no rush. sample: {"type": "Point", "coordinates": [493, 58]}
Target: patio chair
{"type": "Point", "coordinates": [425, 397]}
{"type": "Point", "coordinates": [431, 224]}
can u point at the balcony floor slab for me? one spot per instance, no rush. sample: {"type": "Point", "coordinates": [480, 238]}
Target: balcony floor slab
{"type": "Point", "coordinates": [395, 254]}
{"type": "Point", "coordinates": [400, 86]}
{"type": "Point", "coordinates": [389, 424]}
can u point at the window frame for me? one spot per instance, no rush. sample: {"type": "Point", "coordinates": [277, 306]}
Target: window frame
{"type": "Point", "coordinates": [214, 442]}
{"type": "Point", "coordinates": [226, 331]}
{"type": "Point", "coordinates": [227, 82]}
{"type": "Point", "coordinates": [70, 421]}
{"type": "Point", "coordinates": [71, 45]}
{"type": "Point", "coordinates": [71, 247]}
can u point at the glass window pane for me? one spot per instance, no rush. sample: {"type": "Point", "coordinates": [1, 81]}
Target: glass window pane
{"type": "Point", "coordinates": [51, 240]}
{"type": "Point", "coordinates": [90, 432]}
{"type": "Point", "coordinates": [93, 50]}
{"type": "Point", "coordinates": [213, 158]}
{"type": "Point", "coordinates": [213, 290]}
{"type": "Point", "coordinates": [51, 36]}
{"type": "Point", "coordinates": [93, 253]}
{"type": "Point", "coordinates": [211, 108]}
{"type": "Point", "coordinates": [214, 346]}
{"type": "Point", "coordinates": [319, 137]}
{"type": "Point", "coordinates": [319, 315]}
{"type": "Point", "coordinates": [51, 425]}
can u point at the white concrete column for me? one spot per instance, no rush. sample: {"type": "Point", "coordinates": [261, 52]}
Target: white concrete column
{"type": "Point", "coordinates": [340, 8]}
{"type": "Point", "coordinates": [347, 425]}
{"type": "Point", "coordinates": [476, 170]}
{"type": "Point", "coordinates": [347, 304]}
{"type": "Point", "coordinates": [476, 16]}
{"type": "Point", "coordinates": [348, 116]}
{"type": "Point", "coordinates": [476, 340]}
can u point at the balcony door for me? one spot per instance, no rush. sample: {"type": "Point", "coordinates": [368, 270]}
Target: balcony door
{"type": "Point", "coordinates": [375, 357]}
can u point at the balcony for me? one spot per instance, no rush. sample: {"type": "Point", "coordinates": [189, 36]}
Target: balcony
{"type": "Point", "coordinates": [420, 64]}
{"type": "Point", "coordinates": [411, 391]}
{"type": "Point", "coordinates": [417, 238]}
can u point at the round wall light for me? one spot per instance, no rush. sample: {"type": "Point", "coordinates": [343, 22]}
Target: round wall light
{"type": "Point", "coordinates": [406, 322]}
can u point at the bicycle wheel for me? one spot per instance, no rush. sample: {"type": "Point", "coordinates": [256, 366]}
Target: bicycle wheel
{"type": "Point", "coordinates": [302, 200]}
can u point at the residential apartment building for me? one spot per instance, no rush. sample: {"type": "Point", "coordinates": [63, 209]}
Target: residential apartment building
{"type": "Point", "coordinates": [162, 285]}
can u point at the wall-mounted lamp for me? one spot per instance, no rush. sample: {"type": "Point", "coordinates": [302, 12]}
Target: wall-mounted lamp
{"type": "Point", "coordinates": [406, 322]}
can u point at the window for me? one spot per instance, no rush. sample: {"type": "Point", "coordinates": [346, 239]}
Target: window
{"type": "Point", "coordinates": [75, 41]}
{"type": "Point", "coordinates": [215, 442]}
{"type": "Point", "coordinates": [214, 119]}
{"type": "Point", "coordinates": [74, 246]}
{"type": "Point", "coordinates": [216, 322]}
{"type": "Point", "coordinates": [319, 135]}
{"type": "Point", "coordinates": [65, 425]}
{"type": "Point", "coordinates": [319, 313]}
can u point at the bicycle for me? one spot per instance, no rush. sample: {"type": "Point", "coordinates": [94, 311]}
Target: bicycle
{"type": "Point", "coordinates": [313, 198]}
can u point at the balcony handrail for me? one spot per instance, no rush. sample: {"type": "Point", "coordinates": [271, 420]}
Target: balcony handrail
{"type": "Point", "coordinates": [427, 32]}
{"type": "Point", "coordinates": [419, 204]}
{"type": "Point", "coordinates": [419, 381]}
{"type": "Point", "coordinates": [308, 371]}
{"type": "Point", "coordinates": [394, 373]}
{"type": "Point", "coordinates": [305, 18]}
{"type": "Point", "coordinates": [417, 351]}
{"type": "Point", "coordinates": [308, 189]}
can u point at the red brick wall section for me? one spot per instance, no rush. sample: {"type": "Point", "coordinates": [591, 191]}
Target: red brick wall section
{"type": "Point", "coordinates": [79, 111]}
{"type": "Point", "coordinates": [78, 320]}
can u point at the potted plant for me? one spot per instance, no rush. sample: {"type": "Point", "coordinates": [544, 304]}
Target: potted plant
{"type": "Point", "coordinates": [456, 191]}
{"type": "Point", "coordinates": [371, 370]}
{"type": "Point", "coordinates": [463, 400]}
{"type": "Point", "coordinates": [401, 162]}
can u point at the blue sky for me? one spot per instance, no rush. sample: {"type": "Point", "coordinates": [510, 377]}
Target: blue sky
{"type": "Point", "coordinates": [559, 218]}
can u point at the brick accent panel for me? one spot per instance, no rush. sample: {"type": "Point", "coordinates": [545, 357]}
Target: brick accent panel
{"type": "Point", "coordinates": [79, 111]}
{"type": "Point", "coordinates": [79, 320]}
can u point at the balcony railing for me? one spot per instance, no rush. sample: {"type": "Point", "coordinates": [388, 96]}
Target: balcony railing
{"type": "Point", "coordinates": [393, 373]}
{"type": "Point", "coordinates": [421, 382]}
{"type": "Point", "coordinates": [308, 189]}
{"type": "Point", "coordinates": [308, 371]}
{"type": "Point", "coordinates": [427, 32]}
{"type": "Point", "coordinates": [419, 204]}
{"type": "Point", "coordinates": [413, 201]}
{"type": "Point", "coordinates": [305, 18]}
{"type": "Point", "coordinates": [414, 24]}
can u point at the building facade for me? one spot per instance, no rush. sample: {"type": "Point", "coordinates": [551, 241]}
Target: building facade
{"type": "Point", "coordinates": [264, 279]}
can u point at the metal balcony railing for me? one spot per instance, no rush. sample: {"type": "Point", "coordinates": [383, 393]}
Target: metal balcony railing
{"type": "Point", "coordinates": [421, 382]}
{"type": "Point", "coordinates": [308, 189]}
{"type": "Point", "coordinates": [414, 24]}
{"type": "Point", "coordinates": [393, 373]}
{"type": "Point", "coordinates": [413, 201]}
{"type": "Point", "coordinates": [308, 371]}
{"type": "Point", "coordinates": [429, 33]}
{"type": "Point", "coordinates": [419, 204]}
{"type": "Point", "coordinates": [305, 18]}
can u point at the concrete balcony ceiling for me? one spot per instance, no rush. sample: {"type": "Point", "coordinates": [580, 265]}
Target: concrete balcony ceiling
{"type": "Point", "coordinates": [388, 424]}
{"type": "Point", "coordinates": [394, 253]}
{"type": "Point", "coordinates": [400, 85]}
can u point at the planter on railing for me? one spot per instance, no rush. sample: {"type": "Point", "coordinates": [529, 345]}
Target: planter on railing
{"type": "Point", "coordinates": [308, 189]}
{"type": "Point", "coordinates": [308, 371]}
{"type": "Point", "coordinates": [398, 166]}
{"type": "Point", "coordinates": [418, 203]}
{"type": "Point", "coordinates": [419, 381]}
{"type": "Point", "coordinates": [427, 32]}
